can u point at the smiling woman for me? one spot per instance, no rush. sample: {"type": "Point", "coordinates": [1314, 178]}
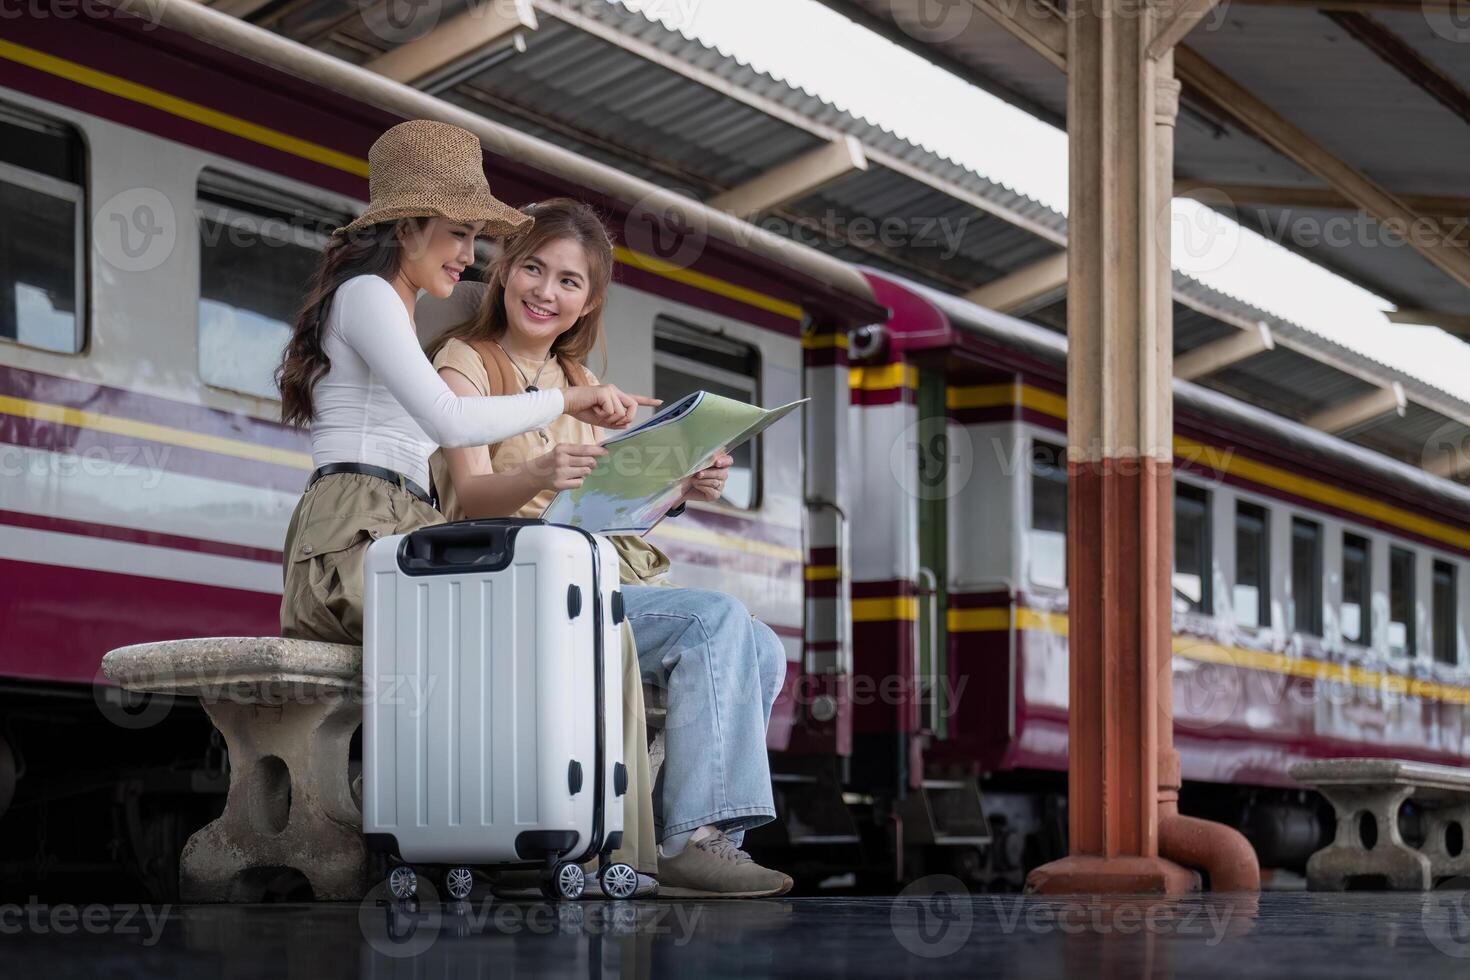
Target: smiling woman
{"type": "Point", "coordinates": [540, 312]}
{"type": "Point", "coordinates": [353, 371]}
{"type": "Point", "coordinates": [540, 316]}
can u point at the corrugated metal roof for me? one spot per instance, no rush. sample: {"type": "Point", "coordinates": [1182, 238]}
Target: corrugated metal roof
{"type": "Point", "coordinates": [933, 236]}
{"type": "Point", "coordinates": [990, 248]}
{"type": "Point", "coordinates": [1300, 62]}
{"type": "Point", "coordinates": [588, 87]}
{"type": "Point", "coordinates": [1419, 438]}
{"type": "Point", "coordinates": [1288, 383]}
{"type": "Point", "coordinates": [614, 85]}
{"type": "Point", "coordinates": [1292, 57]}
{"type": "Point", "coordinates": [741, 77]}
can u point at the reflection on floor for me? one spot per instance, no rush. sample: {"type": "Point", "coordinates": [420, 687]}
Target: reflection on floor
{"type": "Point", "coordinates": [931, 930]}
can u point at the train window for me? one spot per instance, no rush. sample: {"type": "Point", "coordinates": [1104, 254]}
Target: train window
{"type": "Point", "coordinates": [1049, 514]}
{"type": "Point", "coordinates": [1252, 566]}
{"type": "Point", "coordinates": [1446, 638]}
{"type": "Point", "coordinates": [1192, 550]}
{"type": "Point", "coordinates": [1356, 589]}
{"type": "Point", "coordinates": [43, 268]}
{"type": "Point", "coordinates": [1306, 577]}
{"type": "Point", "coordinates": [258, 250]}
{"type": "Point", "coordinates": [687, 359]}
{"type": "Point", "coordinates": [1401, 639]}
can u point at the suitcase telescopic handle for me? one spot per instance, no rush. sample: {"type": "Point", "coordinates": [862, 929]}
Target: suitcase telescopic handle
{"type": "Point", "coordinates": [477, 545]}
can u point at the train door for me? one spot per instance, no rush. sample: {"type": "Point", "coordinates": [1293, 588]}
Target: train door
{"type": "Point", "coordinates": [931, 642]}
{"type": "Point", "coordinates": [942, 822]}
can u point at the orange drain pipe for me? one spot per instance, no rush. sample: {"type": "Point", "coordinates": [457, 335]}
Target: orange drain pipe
{"type": "Point", "coordinates": [1221, 852]}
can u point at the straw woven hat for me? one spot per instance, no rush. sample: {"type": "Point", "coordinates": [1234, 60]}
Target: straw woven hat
{"type": "Point", "coordinates": [423, 168]}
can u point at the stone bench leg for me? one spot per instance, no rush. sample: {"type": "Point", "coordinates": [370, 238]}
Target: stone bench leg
{"type": "Point", "coordinates": [1398, 864]}
{"type": "Point", "coordinates": [1439, 825]}
{"type": "Point", "coordinates": [289, 805]}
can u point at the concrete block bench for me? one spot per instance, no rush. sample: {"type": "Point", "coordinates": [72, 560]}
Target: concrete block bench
{"type": "Point", "coordinates": [287, 710]}
{"type": "Point", "coordinates": [1378, 788]}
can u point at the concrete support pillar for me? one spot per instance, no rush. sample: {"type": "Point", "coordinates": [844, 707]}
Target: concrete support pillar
{"type": "Point", "coordinates": [1226, 857]}
{"type": "Point", "coordinates": [1121, 106]}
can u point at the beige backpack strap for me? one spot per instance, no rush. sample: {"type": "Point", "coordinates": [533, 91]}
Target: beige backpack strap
{"type": "Point", "coordinates": [499, 371]}
{"type": "Point", "coordinates": [575, 373]}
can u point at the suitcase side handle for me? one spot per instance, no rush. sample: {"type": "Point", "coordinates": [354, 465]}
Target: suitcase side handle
{"type": "Point", "coordinates": [446, 548]}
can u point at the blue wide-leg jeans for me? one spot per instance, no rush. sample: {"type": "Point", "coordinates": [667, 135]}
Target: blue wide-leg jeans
{"type": "Point", "coordinates": [721, 668]}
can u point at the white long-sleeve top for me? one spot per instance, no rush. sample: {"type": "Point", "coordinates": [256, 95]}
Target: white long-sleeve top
{"type": "Point", "coordinates": [382, 402]}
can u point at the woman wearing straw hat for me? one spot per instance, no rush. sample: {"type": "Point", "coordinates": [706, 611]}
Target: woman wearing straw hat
{"type": "Point", "coordinates": [353, 371]}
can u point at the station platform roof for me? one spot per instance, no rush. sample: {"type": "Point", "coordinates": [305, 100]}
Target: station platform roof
{"type": "Point", "coordinates": [1377, 85]}
{"type": "Point", "coordinates": [623, 89]}
{"type": "Point", "coordinates": [1328, 126]}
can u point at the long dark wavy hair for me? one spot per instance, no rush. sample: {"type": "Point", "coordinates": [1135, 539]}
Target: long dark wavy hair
{"type": "Point", "coordinates": [374, 251]}
{"type": "Point", "coordinates": [557, 218]}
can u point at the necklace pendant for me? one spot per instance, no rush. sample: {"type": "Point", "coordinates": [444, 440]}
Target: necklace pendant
{"type": "Point", "coordinates": [531, 388]}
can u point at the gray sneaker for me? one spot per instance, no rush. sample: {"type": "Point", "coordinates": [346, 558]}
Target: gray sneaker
{"type": "Point", "coordinates": [715, 868]}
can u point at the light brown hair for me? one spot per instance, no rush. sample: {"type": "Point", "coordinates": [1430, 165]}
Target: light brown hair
{"type": "Point", "coordinates": [555, 219]}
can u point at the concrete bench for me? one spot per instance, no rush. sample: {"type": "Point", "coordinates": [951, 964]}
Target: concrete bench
{"type": "Point", "coordinates": [1377, 788]}
{"type": "Point", "coordinates": [287, 710]}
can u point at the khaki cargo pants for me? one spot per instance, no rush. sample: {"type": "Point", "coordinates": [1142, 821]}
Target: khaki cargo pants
{"type": "Point", "coordinates": [329, 534]}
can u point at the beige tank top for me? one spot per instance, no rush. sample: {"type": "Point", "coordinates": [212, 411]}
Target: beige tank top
{"type": "Point", "coordinates": [641, 562]}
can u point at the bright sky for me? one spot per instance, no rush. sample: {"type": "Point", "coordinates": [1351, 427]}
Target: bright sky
{"type": "Point", "coordinates": [808, 45]}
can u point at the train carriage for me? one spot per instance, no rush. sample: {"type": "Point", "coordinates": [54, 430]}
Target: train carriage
{"type": "Point", "coordinates": [167, 186]}
{"type": "Point", "coordinates": [1319, 593]}
{"type": "Point", "coordinates": [167, 182]}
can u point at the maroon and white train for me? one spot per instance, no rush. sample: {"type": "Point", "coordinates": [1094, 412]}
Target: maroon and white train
{"type": "Point", "coordinates": [165, 186]}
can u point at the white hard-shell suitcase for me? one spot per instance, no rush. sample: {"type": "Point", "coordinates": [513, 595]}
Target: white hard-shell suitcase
{"type": "Point", "coordinates": [493, 715]}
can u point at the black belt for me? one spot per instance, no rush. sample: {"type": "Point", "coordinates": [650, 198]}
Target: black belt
{"type": "Point", "coordinates": [362, 469]}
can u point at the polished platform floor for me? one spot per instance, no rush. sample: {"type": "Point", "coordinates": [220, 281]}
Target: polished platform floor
{"type": "Point", "coordinates": [941, 934]}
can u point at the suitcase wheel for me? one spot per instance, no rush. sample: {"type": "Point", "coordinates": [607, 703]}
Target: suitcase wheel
{"type": "Point", "coordinates": [618, 880]}
{"type": "Point", "coordinates": [567, 882]}
{"type": "Point", "coordinates": [403, 884]}
{"type": "Point", "coordinates": [459, 882]}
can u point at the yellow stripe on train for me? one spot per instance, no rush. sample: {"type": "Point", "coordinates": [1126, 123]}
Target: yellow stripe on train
{"type": "Point", "coordinates": [707, 283]}
{"type": "Point", "coordinates": [1226, 461]}
{"type": "Point", "coordinates": [115, 425]}
{"type": "Point", "coordinates": [997, 619]}
{"type": "Point", "coordinates": [883, 377]}
{"type": "Point", "coordinates": [183, 108]}
{"type": "Point", "coordinates": [728, 542]}
{"type": "Point", "coordinates": [317, 153]}
{"type": "Point", "coordinates": [241, 449]}
{"type": "Point", "coordinates": [885, 609]}
{"type": "Point", "coordinates": [1223, 460]}
{"type": "Point", "coordinates": [821, 341]}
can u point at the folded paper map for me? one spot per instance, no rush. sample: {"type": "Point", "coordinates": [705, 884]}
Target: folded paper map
{"type": "Point", "coordinates": [643, 475]}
